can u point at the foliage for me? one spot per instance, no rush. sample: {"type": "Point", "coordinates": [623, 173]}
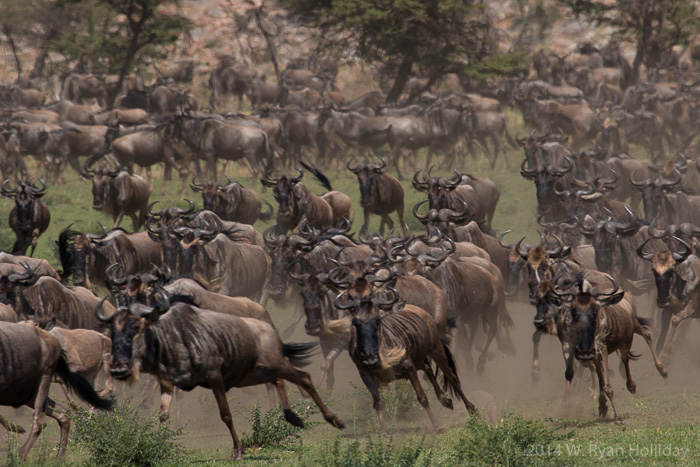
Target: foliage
{"type": "Point", "coordinates": [378, 451]}
{"type": "Point", "coordinates": [124, 437]}
{"type": "Point", "coordinates": [433, 37]}
{"type": "Point", "coordinates": [654, 27]}
{"type": "Point", "coordinates": [272, 429]}
{"type": "Point", "coordinates": [507, 443]}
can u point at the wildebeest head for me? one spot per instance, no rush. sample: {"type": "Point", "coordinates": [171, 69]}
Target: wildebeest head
{"type": "Point", "coordinates": [283, 251]}
{"type": "Point", "coordinates": [654, 192]}
{"type": "Point", "coordinates": [24, 195]}
{"type": "Point", "coordinates": [126, 325]}
{"type": "Point", "coordinates": [670, 287]}
{"type": "Point", "coordinates": [284, 193]}
{"type": "Point", "coordinates": [545, 177]}
{"type": "Point", "coordinates": [76, 251]}
{"type": "Point", "coordinates": [547, 307]}
{"type": "Point", "coordinates": [516, 266]}
{"type": "Point", "coordinates": [584, 309]}
{"type": "Point", "coordinates": [605, 236]}
{"type": "Point", "coordinates": [367, 176]}
{"type": "Point", "coordinates": [169, 216]}
{"type": "Point", "coordinates": [101, 183]}
{"type": "Point", "coordinates": [214, 195]}
{"type": "Point", "coordinates": [366, 311]}
{"type": "Point", "coordinates": [437, 188]}
{"type": "Point", "coordinates": [538, 261]}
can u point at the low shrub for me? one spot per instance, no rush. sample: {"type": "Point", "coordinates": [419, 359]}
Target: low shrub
{"type": "Point", "coordinates": [272, 429]}
{"type": "Point", "coordinates": [124, 437]}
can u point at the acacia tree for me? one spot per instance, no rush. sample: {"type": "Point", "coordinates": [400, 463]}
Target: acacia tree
{"type": "Point", "coordinates": [654, 26]}
{"type": "Point", "coordinates": [430, 37]}
{"type": "Point", "coordinates": [120, 33]}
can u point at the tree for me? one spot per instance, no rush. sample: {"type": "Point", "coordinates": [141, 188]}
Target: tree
{"type": "Point", "coordinates": [428, 37]}
{"type": "Point", "coordinates": [654, 26]}
{"type": "Point", "coordinates": [120, 33]}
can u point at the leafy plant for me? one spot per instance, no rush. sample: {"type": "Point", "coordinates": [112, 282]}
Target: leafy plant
{"type": "Point", "coordinates": [124, 437]}
{"type": "Point", "coordinates": [272, 429]}
{"type": "Point", "coordinates": [513, 442]}
{"type": "Point", "coordinates": [376, 452]}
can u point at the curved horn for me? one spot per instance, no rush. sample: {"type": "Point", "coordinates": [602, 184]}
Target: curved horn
{"type": "Point", "coordinates": [100, 316]}
{"type": "Point", "coordinates": [189, 210]}
{"type": "Point", "coordinates": [111, 273]}
{"type": "Point", "coordinates": [415, 211]}
{"type": "Point", "coordinates": [6, 191]}
{"type": "Point", "coordinates": [387, 303]}
{"type": "Point", "coordinates": [644, 183]}
{"type": "Point", "coordinates": [98, 236]}
{"type": "Point", "coordinates": [351, 304]}
{"type": "Point", "coordinates": [296, 180]}
{"type": "Point", "coordinates": [355, 169]}
{"type": "Point", "coordinates": [300, 279]}
{"type": "Point", "coordinates": [418, 184]}
{"type": "Point", "coordinates": [681, 256]}
{"type": "Point", "coordinates": [381, 167]}
{"type": "Point", "coordinates": [653, 232]}
{"type": "Point", "coordinates": [641, 253]}
{"type": "Point", "coordinates": [198, 187]}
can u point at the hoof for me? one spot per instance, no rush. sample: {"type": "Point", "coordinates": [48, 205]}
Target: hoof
{"type": "Point", "coordinates": [447, 402]}
{"type": "Point", "coordinates": [620, 422]}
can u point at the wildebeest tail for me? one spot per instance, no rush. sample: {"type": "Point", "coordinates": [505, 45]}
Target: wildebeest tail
{"type": "Point", "coordinates": [320, 176]}
{"type": "Point", "coordinates": [643, 321]}
{"type": "Point", "coordinates": [299, 354]}
{"type": "Point", "coordinates": [81, 386]}
{"type": "Point", "coordinates": [266, 216]}
{"type": "Point", "coordinates": [446, 386]}
{"type": "Point", "coordinates": [65, 252]}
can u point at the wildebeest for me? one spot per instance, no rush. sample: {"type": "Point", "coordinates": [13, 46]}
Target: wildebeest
{"type": "Point", "coordinates": [87, 256]}
{"type": "Point", "coordinates": [118, 193]}
{"type": "Point", "coordinates": [212, 139]}
{"type": "Point", "coordinates": [77, 88]}
{"type": "Point", "coordinates": [44, 298]}
{"type": "Point", "coordinates": [32, 357]}
{"type": "Point", "coordinates": [232, 202]}
{"type": "Point", "coordinates": [387, 346]}
{"type": "Point", "coordinates": [185, 347]}
{"type": "Point", "coordinates": [596, 324]}
{"type": "Point", "coordinates": [298, 205]}
{"type": "Point", "coordinates": [235, 79]}
{"type": "Point", "coordinates": [29, 217]}
{"type": "Point", "coordinates": [380, 194]}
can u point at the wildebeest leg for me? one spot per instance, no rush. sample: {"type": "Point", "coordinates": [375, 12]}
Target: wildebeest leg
{"type": "Point", "coordinates": [330, 354]}
{"type": "Point", "coordinates": [303, 380]}
{"type": "Point", "coordinates": [289, 415]}
{"type": "Point", "coordinates": [644, 331]}
{"type": "Point", "coordinates": [442, 397]}
{"type": "Point", "coordinates": [685, 313]}
{"type": "Point", "coordinates": [38, 406]}
{"type": "Point", "coordinates": [63, 423]}
{"type": "Point", "coordinates": [569, 372]}
{"type": "Point", "coordinates": [373, 389]}
{"type": "Point", "coordinates": [365, 225]}
{"type": "Point", "coordinates": [218, 388]}
{"type": "Point", "coordinates": [445, 362]}
{"type": "Point", "coordinates": [118, 220]}
{"type": "Point", "coordinates": [386, 219]}
{"type": "Point", "coordinates": [166, 398]}
{"type": "Point", "coordinates": [271, 394]}
{"type": "Point", "coordinates": [482, 358]}
{"type": "Point", "coordinates": [423, 400]}
{"type": "Point", "coordinates": [536, 336]}
{"type": "Point", "coordinates": [399, 211]}
{"type": "Point", "coordinates": [601, 366]}
{"type": "Point", "coordinates": [666, 315]}
{"type": "Point", "coordinates": [625, 357]}
{"type": "Point", "coordinates": [11, 427]}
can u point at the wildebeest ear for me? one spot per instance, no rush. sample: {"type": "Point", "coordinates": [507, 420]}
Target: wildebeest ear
{"type": "Point", "coordinates": [614, 299]}
{"type": "Point", "coordinates": [50, 325]}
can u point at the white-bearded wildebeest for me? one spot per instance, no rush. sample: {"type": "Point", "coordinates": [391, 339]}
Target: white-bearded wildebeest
{"type": "Point", "coordinates": [232, 202]}
{"type": "Point", "coordinates": [212, 139]}
{"type": "Point", "coordinates": [46, 298]}
{"type": "Point", "coordinates": [387, 346]}
{"type": "Point", "coordinates": [298, 205]}
{"type": "Point", "coordinates": [222, 265]}
{"type": "Point", "coordinates": [77, 88]}
{"type": "Point", "coordinates": [29, 217]}
{"type": "Point", "coordinates": [146, 148]}
{"type": "Point", "coordinates": [380, 194]}
{"type": "Point", "coordinates": [597, 323]}
{"type": "Point", "coordinates": [185, 347]}
{"type": "Point", "coordinates": [118, 193]}
{"type": "Point", "coordinates": [40, 266]}
{"type": "Point", "coordinates": [31, 357]}
{"type": "Point", "coordinates": [87, 256]}
{"type": "Point", "coordinates": [446, 193]}
{"type": "Point", "coordinates": [677, 276]}
{"type": "Point", "coordinates": [235, 79]}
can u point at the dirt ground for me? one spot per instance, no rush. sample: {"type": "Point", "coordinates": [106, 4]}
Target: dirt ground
{"type": "Point", "coordinates": [505, 387]}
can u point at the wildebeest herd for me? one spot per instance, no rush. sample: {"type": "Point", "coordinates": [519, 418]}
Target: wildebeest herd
{"type": "Point", "coordinates": [185, 298]}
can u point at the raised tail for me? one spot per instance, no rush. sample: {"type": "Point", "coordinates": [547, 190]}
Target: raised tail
{"type": "Point", "coordinates": [299, 354]}
{"type": "Point", "coordinates": [81, 386]}
{"type": "Point", "coordinates": [320, 176]}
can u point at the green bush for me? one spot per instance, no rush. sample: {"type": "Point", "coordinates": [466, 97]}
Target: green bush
{"type": "Point", "coordinates": [376, 452]}
{"type": "Point", "coordinates": [124, 437]}
{"type": "Point", "coordinates": [512, 442]}
{"type": "Point", "coordinates": [272, 429]}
